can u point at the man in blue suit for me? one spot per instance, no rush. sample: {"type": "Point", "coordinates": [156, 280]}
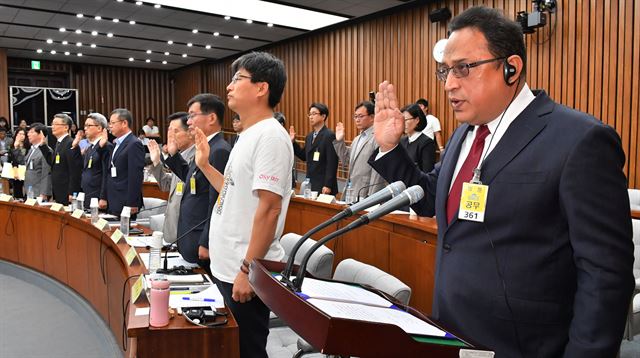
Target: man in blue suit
{"type": "Point", "coordinates": [206, 112]}
{"type": "Point", "coordinates": [124, 174]}
{"type": "Point", "coordinates": [545, 270]}
{"type": "Point", "coordinates": [96, 158]}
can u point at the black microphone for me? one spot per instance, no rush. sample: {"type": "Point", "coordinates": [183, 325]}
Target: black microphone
{"type": "Point", "coordinates": [407, 197]}
{"type": "Point", "coordinates": [166, 248]}
{"type": "Point", "coordinates": [378, 197]}
{"type": "Point", "coordinates": [367, 187]}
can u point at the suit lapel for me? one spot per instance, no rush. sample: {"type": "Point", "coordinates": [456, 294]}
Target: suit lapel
{"type": "Point", "coordinates": [122, 147]}
{"type": "Point", "coordinates": [360, 147]}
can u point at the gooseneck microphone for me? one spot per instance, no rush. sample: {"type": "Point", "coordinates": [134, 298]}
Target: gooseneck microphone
{"type": "Point", "coordinates": [407, 197]}
{"type": "Point", "coordinates": [378, 197]}
{"type": "Point", "coordinates": [166, 248]}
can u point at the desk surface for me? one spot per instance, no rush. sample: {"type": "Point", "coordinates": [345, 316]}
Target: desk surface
{"type": "Point", "coordinates": [77, 254]}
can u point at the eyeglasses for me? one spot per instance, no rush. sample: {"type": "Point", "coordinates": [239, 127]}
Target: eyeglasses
{"type": "Point", "coordinates": [461, 70]}
{"type": "Point", "coordinates": [113, 123]}
{"type": "Point", "coordinates": [237, 77]}
{"type": "Point", "coordinates": [360, 116]}
{"type": "Point", "coordinates": [58, 124]}
{"type": "Point", "coordinates": [408, 119]}
{"type": "Point", "coordinates": [91, 125]}
{"type": "Point", "coordinates": [311, 114]}
{"type": "Point", "coordinates": [193, 115]}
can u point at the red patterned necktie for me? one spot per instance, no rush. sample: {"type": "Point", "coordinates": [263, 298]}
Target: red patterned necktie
{"type": "Point", "coordinates": [466, 172]}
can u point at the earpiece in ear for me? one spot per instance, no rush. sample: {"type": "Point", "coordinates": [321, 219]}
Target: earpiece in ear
{"type": "Point", "coordinates": [509, 71]}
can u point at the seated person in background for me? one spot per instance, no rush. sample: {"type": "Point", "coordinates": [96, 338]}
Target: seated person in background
{"type": "Point", "coordinates": [421, 149]}
{"type": "Point", "coordinates": [5, 146]}
{"type": "Point", "coordinates": [151, 130]}
{"type": "Point", "coordinates": [318, 152]}
{"type": "Point", "coordinates": [17, 156]}
{"type": "Point", "coordinates": [38, 174]}
{"type": "Point", "coordinates": [237, 127]}
{"type": "Point", "coordinates": [432, 129]}
{"type": "Point", "coordinates": [5, 124]}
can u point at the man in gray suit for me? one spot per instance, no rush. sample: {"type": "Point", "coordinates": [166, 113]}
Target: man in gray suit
{"type": "Point", "coordinates": [364, 180]}
{"type": "Point", "coordinates": [167, 181]}
{"type": "Point", "coordinates": [38, 174]}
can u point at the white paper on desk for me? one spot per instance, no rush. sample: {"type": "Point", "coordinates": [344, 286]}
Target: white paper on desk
{"type": "Point", "coordinates": [107, 216]}
{"type": "Point", "coordinates": [138, 241]}
{"type": "Point", "coordinates": [341, 291]}
{"type": "Point", "coordinates": [174, 259]}
{"type": "Point", "coordinates": [142, 311]}
{"type": "Point", "coordinates": [406, 321]}
{"type": "Point", "coordinates": [211, 292]}
{"type": "Point", "coordinates": [7, 171]}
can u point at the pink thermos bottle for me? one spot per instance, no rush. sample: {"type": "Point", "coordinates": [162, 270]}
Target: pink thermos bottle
{"type": "Point", "coordinates": [159, 316]}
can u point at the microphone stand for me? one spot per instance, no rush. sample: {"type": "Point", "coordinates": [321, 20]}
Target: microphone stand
{"type": "Point", "coordinates": [366, 187]}
{"type": "Point", "coordinates": [166, 248]}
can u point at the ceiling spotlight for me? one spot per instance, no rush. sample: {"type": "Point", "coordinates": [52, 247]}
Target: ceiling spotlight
{"type": "Point", "coordinates": [227, 17]}
{"type": "Point", "coordinates": [147, 60]}
{"type": "Point", "coordinates": [39, 50]}
{"type": "Point", "coordinates": [93, 46]}
{"type": "Point", "coordinates": [78, 31]}
{"type": "Point", "coordinates": [148, 51]}
{"type": "Point", "coordinates": [131, 22]}
{"type": "Point", "coordinates": [170, 42]}
{"type": "Point", "coordinates": [249, 21]}
{"type": "Point", "coordinates": [62, 29]}
{"type": "Point", "coordinates": [79, 44]}
{"type": "Point", "coordinates": [236, 37]}
{"type": "Point", "coordinates": [189, 44]}
{"type": "Point", "coordinates": [65, 42]}
{"type": "Point", "coordinates": [138, 3]}
{"type": "Point", "coordinates": [131, 59]}
{"type": "Point", "coordinates": [115, 20]}
{"type": "Point", "coordinates": [49, 41]}
{"type": "Point", "coordinates": [67, 53]}
{"type": "Point", "coordinates": [98, 18]}
{"type": "Point", "coordinates": [164, 62]}
{"type": "Point", "coordinates": [53, 52]}
{"type": "Point", "coordinates": [184, 55]}
{"type": "Point", "coordinates": [94, 33]}
{"type": "Point", "coordinates": [166, 53]}
{"type": "Point", "coordinates": [157, 6]}
{"type": "Point", "coordinates": [270, 25]}
{"type": "Point", "coordinates": [119, 0]}
{"type": "Point", "coordinates": [79, 54]}
{"type": "Point", "coordinates": [216, 34]}
{"type": "Point", "coordinates": [109, 34]}
{"type": "Point", "coordinates": [80, 16]}
{"type": "Point", "coordinates": [195, 31]}
{"type": "Point", "coordinates": [208, 47]}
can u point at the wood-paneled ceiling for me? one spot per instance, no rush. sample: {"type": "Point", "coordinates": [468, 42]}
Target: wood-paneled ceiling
{"type": "Point", "coordinates": [26, 25]}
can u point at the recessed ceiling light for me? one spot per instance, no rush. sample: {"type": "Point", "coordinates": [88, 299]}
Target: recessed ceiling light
{"type": "Point", "coordinates": [131, 22]}
{"type": "Point", "coordinates": [79, 44]}
{"type": "Point", "coordinates": [184, 55]}
{"type": "Point", "coordinates": [170, 42]}
{"type": "Point", "coordinates": [208, 47]}
{"type": "Point", "coordinates": [216, 34]}
{"type": "Point", "coordinates": [148, 51]}
{"type": "Point", "coordinates": [270, 24]}
{"type": "Point", "coordinates": [131, 59]}
{"type": "Point", "coordinates": [147, 60]}
{"type": "Point", "coordinates": [120, 0]}
{"type": "Point", "coordinates": [67, 53]}
{"type": "Point", "coordinates": [79, 54]}
{"type": "Point", "coordinates": [65, 42]}
{"type": "Point", "coordinates": [115, 20]}
{"type": "Point", "coordinates": [138, 3]}
{"type": "Point", "coordinates": [157, 6]}
{"type": "Point", "coordinates": [53, 52]}
{"type": "Point", "coordinates": [49, 41]}
{"type": "Point", "coordinates": [249, 21]}
{"type": "Point", "coordinates": [98, 18]}
{"type": "Point", "coordinates": [62, 29]}
{"type": "Point", "coordinates": [78, 31]}
{"type": "Point", "coordinates": [166, 53]}
{"type": "Point", "coordinates": [236, 37]}
{"type": "Point", "coordinates": [164, 62]}
{"type": "Point", "coordinates": [195, 31]}
{"type": "Point", "coordinates": [80, 16]}
{"type": "Point", "coordinates": [109, 34]}
{"type": "Point", "coordinates": [227, 17]}
{"type": "Point", "coordinates": [94, 33]}
{"type": "Point", "coordinates": [39, 50]}
{"type": "Point", "coordinates": [189, 44]}
{"type": "Point", "coordinates": [93, 46]}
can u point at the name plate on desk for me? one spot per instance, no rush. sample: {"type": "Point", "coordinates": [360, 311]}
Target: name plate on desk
{"type": "Point", "coordinates": [101, 223]}
{"type": "Point", "coordinates": [130, 256]}
{"type": "Point", "coordinates": [56, 207]}
{"type": "Point", "coordinates": [326, 198]}
{"type": "Point", "coordinates": [116, 236]}
{"type": "Point", "coordinates": [31, 202]}
{"type": "Point", "coordinates": [5, 197]}
{"type": "Point", "coordinates": [137, 289]}
{"type": "Point", "coordinates": [77, 213]}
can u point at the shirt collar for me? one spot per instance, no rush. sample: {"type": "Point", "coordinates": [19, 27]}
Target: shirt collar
{"type": "Point", "coordinates": [61, 138]}
{"type": "Point", "coordinates": [120, 139]}
{"type": "Point", "coordinates": [414, 136]}
{"type": "Point", "coordinates": [212, 135]}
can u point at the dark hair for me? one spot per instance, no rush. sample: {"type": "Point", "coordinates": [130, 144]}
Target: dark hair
{"type": "Point", "coordinates": [149, 119]}
{"type": "Point", "coordinates": [20, 130]}
{"type": "Point", "coordinates": [415, 112]}
{"type": "Point", "coordinates": [65, 118]}
{"type": "Point", "coordinates": [4, 130]}
{"type": "Point", "coordinates": [280, 118]}
{"type": "Point", "coordinates": [3, 119]}
{"type": "Point", "coordinates": [142, 132]}
{"type": "Point", "coordinates": [39, 128]}
{"type": "Point", "coordinates": [264, 67]}
{"type": "Point", "coordinates": [182, 116]}
{"type": "Point", "coordinates": [423, 102]}
{"type": "Point", "coordinates": [236, 117]}
{"type": "Point", "coordinates": [504, 36]}
{"type": "Point", "coordinates": [371, 108]}
{"type": "Point", "coordinates": [209, 103]}
{"type": "Point", "coordinates": [123, 114]}
{"type": "Point", "coordinates": [322, 108]}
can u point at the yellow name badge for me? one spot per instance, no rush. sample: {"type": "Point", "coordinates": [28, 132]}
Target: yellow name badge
{"type": "Point", "coordinates": [77, 213]}
{"type": "Point", "coordinates": [57, 158]}
{"type": "Point", "coordinates": [116, 236]}
{"type": "Point", "coordinates": [137, 289]}
{"type": "Point", "coordinates": [130, 256]}
{"type": "Point", "coordinates": [192, 184]}
{"type": "Point", "coordinates": [90, 162]}
{"type": "Point", "coordinates": [56, 207]}
{"type": "Point", "coordinates": [31, 202]}
{"type": "Point", "coordinates": [101, 223]}
{"type": "Point", "coordinates": [473, 202]}
{"type": "Point", "coordinates": [316, 156]}
{"type": "Point", "coordinates": [179, 188]}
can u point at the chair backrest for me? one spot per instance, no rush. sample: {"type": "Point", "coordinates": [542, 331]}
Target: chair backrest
{"type": "Point", "coordinates": [634, 198]}
{"type": "Point", "coordinates": [157, 206]}
{"type": "Point", "coordinates": [320, 262]}
{"type": "Point", "coordinates": [350, 270]}
{"type": "Point", "coordinates": [156, 222]}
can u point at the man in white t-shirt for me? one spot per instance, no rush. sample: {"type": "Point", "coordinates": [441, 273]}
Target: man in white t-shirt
{"type": "Point", "coordinates": [248, 217]}
{"type": "Point", "coordinates": [432, 130]}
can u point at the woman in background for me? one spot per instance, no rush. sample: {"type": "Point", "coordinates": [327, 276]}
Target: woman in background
{"type": "Point", "coordinates": [421, 149]}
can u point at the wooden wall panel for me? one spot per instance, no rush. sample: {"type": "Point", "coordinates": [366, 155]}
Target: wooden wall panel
{"type": "Point", "coordinates": [586, 57]}
{"type": "Point", "coordinates": [187, 83]}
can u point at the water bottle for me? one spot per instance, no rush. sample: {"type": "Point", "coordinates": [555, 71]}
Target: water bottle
{"type": "Point", "coordinates": [154, 251]}
{"type": "Point", "coordinates": [74, 201]}
{"type": "Point", "coordinates": [159, 311]}
{"type": "Point", "coordinates": [305, 188]}
{"type": "Point", "coordinates": [124, 225]}
{"type": "Point", "coordinates": [348, 193]}
{"type": "Point", "coordinates": [80, 201]}
{"type": "Point", "coordinates": [30, 193]}
{"type": "Point", "coordinates": [94, 210]}
{"type": "Point", "coordinates": [1, 187]}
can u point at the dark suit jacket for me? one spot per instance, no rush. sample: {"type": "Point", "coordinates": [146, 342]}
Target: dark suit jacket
{"type": "Point", "coordinates": [65, 175]}
{"type": "Point", "coordinates": [94, 178]}
{"type": "Point", "coordinates": [126, 188]}
{"type": "Point", "coordinates": [422, 151]}
{"type": "Point", "coordinates": [557, 236]}
{"type": "Point", "coordinates": [324, 171]}
{"type": "Point", "coordinates": [196, 208]}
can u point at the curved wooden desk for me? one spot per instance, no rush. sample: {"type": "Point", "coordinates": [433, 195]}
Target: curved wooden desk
{"type": "Point", "coordinates": [400, 244]}
{"type": "Point", "coordinates": [77, 254]}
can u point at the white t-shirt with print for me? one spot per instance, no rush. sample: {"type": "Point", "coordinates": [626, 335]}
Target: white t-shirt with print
{"type": "Point", "coordinates": [433, 125]}
{"type": "Point", "coordinates": [261, 159]}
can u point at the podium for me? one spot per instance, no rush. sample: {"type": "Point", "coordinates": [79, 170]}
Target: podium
{"type": "Point", "coordinates": [348, 337]}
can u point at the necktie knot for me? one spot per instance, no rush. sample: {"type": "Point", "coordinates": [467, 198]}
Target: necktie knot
{"type": "Point", "coordinates": [482, 133]}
